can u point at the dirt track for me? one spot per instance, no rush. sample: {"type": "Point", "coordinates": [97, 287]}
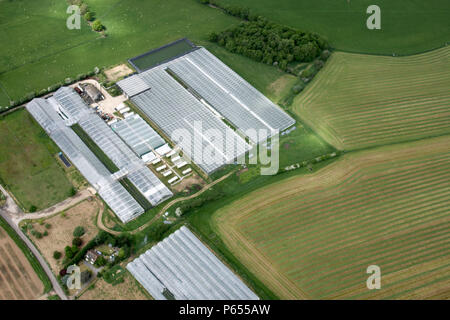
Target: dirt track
{"type": "Point", "coordinates": [164, 209]}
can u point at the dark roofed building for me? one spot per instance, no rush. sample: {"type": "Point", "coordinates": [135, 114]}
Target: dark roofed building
{"type": "Point", "coordinates": [91, 256]}
{"type": "Point", "coordinates": [93, 92]}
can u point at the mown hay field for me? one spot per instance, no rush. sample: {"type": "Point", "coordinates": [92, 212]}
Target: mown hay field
{"type": "Point", "coordinates": [18, 281]}
{"type": "Point", "coordinates": [359, 101]}
{"type": "Point", "coordinates": [314, 236]}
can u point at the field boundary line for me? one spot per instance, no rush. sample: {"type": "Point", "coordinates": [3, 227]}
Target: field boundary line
{"type": "Point", "coordinates": [390, 55]}
{"type": "Point", "coordinates": [101, 226]}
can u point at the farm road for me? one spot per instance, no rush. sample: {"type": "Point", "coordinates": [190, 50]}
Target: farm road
{"type": "Point", "coordinates": [13, 215]}
{"type": "Point", "coordinates": [17, 215]}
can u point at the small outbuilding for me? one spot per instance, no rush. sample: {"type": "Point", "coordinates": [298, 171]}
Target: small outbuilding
{"type": "Point", "coordinates": [92, 256]}
{"type": "Point", "coordinates": [93, 92]}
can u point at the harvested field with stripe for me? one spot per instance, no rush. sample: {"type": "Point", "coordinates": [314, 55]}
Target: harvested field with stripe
{"type": "Point", "coordinates": [360, 101]}
{"type": "Point", "coordinates": [314, 236]}
{"type": "Point", "coordinates": [18, 281]}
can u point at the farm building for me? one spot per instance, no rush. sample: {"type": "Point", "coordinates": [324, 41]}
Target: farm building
{"type": "Point", "coordinates": [193, 93]}
{"type": "Point", "coordinates": [114, 194]}
{"type": "Point", "coordinates": [93, 92]}
{"type": "Point", "coordinates": [139, 136]}
{"type": "Point", "coordinates": [107, 183]}
{"type": "Point", "coordinates": [91, 256]}
{"type": "Point", "coordinates": [181, 266]}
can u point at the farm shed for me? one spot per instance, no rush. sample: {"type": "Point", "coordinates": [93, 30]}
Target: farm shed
{"type": "Point", "coordinates": [173, 95]}
{"type": "Point", "coordinates": [129, 164]}
{"type": "Point", "coordinates": [182, 265]}
{"type": "Point", "coordinates": [138, 135]}
{"type": "Point", "coordinates": [93, 92]}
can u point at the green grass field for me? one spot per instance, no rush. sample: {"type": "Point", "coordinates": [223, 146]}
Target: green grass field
{"type": "Point", "coordinates": [34, 33]}
{"type": "Point", "coordinates": [55, 53]}
{"type": "Point", "coordinates": [407, 26]}
{"type": "Point", "coordinates": [28, 167]}
{"type": "Point", "coordinates": [360, 101]}
{"type": "Point", "coordinates": [314, 236]}
{"type": "Point", "coordinates": [38, 29]}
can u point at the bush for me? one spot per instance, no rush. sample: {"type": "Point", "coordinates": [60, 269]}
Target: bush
{"type": "Point", "coordinates": [84, 8]}
{"type": "Point", "coordinates": [54, 87]}
{"type": "Point", "coordinates": [48, 226]}
{"type": "Point", "coordinates": [213, 37]}
{"type": "Point", "coordinates": [68, 251]}
{"type": "Point", "coordinates": [89, 16]}
{"type": "Point", "coordinates": [100, 262]}
{"type": "Point", "coordinates": [79, 231]}
{"type": "Point", "coordinates": [43, 92]}
{"type": "Point", "coordinates": [325, 55]}
{"type": "Point", "coordinates": [72, 192]}
{"type": "Point", "coordinates": [306, 73]}
{"type": "Point", "coordinates": [45, 233]}
{"type": "Point", "coordinates": [57, 255]}
{"type": "Point", "coordinates": [33, 208]}
{"type": "Point", "coordinates": [77, 241]}
{"type": "Point", "coordinates": [37, 234]}
{"type": "Point", "coordinates": [115, 91]}
{"type": "Point", "coordinates": [98, 26]}
{"type": "Point", "coordinates": [318, 64]}
{"type": "Point", "coordinates": [298, 88]}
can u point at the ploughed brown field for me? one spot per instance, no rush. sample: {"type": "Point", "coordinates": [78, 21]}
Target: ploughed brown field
{"type": "Point", "coordinates": [18, 281]}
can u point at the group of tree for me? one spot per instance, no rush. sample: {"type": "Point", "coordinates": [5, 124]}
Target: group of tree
{"type": "Point", "coordinates": [38, 234]}
{"type": "Point", "coordinates": [71, 251]}
{"type": "Point", "coordinates": [88, 15]}
{"type": "Point", "coordinates": [271, 43]}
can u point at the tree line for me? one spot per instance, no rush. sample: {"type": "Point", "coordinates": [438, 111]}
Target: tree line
{"type": "Point", "coordinates": [271, 43]}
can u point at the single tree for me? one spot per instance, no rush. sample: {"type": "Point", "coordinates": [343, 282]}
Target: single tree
{"type": "Point", "coordinates": [79, 231]}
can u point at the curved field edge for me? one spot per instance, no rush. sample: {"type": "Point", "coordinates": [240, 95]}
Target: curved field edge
{"type": "Point", "coordinates": [284, 274]}
{"type": "Point", "coordinates": [407, 27]}
{"type": "Point", "coordinates": [28, 254]}
{"type": "Point", "coordinates": [200, 221]}
{"type": "Point", "coordinates": [360, 101]}
{"type": "Point", "coordinates": [29, 168]}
